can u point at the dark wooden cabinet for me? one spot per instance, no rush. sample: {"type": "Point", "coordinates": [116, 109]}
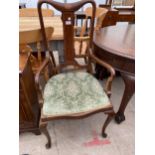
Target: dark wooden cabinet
{"type": "Point", "coordinates": [29, 111]}
{"type": "Point", "coordinates": [127, 15]}
{"type": "Point", "coordinates": [115, 15]}
{"type": "Point", "coordinates": [110, 18]}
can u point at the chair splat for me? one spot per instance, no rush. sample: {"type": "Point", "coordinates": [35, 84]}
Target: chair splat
{"type": "Point", "coordinates": [68, 30]}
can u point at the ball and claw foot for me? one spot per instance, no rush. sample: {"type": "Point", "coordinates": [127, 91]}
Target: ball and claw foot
{"type": "Point", "coordinates": [48, 146]}
{"type": "Point", "coordinates": [104, 135]}
{"type": "Point", "coordinates": [119, 118]}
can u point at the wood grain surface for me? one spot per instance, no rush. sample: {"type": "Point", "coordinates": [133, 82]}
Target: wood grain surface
{"type": "Point", "coordinates": [31, 23]}
{"type": "Point", "coordinates": [119, 40]}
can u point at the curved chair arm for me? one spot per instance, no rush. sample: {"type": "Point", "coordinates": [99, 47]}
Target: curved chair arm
{"type": "Point", "coordinates": [109, 68]}
{"type": "Point", "coordinates": [41, 68]}
{"type": "Point", "coordinates": [37, 81]}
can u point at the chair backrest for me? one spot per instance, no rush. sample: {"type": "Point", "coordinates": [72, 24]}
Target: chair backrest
{"type": "Point", "coordinates": [33, 12]}
{"type": "Point", "coordinates": [68, 18]}
{"type": "Point", "coordinates": [33, 36]}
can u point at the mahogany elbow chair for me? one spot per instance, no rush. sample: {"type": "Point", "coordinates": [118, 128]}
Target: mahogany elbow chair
{"type": "Point", "coordinates": [71, 92]}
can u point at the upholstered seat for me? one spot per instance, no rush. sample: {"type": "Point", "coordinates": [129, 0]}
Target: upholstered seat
{"type": "Point", "coordinates": [72, 93]}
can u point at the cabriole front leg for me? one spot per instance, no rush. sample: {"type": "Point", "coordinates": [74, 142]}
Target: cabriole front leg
{"type": "Point", "coordinates": [111, 115]}
{"type": "Point", "coordinates": [43, 128]}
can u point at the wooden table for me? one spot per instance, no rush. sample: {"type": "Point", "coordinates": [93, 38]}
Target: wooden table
{"type": "Point", "coordinates": [116, 45]}
{"type": "Point", "coordinates": [30, 23]}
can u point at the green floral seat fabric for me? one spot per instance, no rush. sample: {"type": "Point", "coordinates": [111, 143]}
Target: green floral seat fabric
{"type": "Point", "coordinates": [72, 93]}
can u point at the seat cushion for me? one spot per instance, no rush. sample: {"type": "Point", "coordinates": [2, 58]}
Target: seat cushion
{"type": "Point", "coordinates": [72, 93]}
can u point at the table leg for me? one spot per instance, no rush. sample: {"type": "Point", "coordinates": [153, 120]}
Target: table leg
{"type": "Point", "coordinates": [129, 81]}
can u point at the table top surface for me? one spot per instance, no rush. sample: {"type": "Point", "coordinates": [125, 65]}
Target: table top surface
{"type": "Point", "coordinates": [118, 39]}
{"type": "Point", "coordinates": [31, 23]}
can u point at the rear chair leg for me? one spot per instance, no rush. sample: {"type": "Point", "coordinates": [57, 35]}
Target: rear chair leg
{"type": "Point", "coordinates": [43, 128]}
{"type": "Point", "coordinates": [111, 114]}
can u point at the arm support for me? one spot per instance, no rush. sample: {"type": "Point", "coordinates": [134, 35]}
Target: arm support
{"type": "Point", "coordinates": [109, 68]}
{"type": "Point", "coordinates": [37, 80]}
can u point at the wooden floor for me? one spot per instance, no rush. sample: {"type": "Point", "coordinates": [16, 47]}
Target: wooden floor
{"type": "Point", "coordinates": [83, 137]}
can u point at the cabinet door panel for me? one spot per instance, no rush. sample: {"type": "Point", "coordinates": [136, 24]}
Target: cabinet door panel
{"type": "Point", "coordinates": [28, 101]}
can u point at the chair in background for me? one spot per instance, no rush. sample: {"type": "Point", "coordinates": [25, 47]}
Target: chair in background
{"type": "Point", "coordinates": [34, 37]}
{"type": "Point", "coordinates": [32, 12]}
{"type": "Point", "coordinates": [72, 93]}
{"type": "Point", "coordinates": [100, 15]}
{"type": "Point", "coordinates": [82, 40]}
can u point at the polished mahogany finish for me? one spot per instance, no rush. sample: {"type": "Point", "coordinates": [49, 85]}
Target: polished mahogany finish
{"type": "Point", "coordinates": [116, 46]}
{"type": "Point", "coordinates": [118, 40]}
{"type": "Point", "coordinates": [111, 16]}
{"type": "Point", "coordinates": [70, 64]}
{"type": "Point", "coordinates": [126, 15]}
{"type": "Point", "coordinates": [116, 14]}
{"type": "Point", "coordinates": [29, 111]}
